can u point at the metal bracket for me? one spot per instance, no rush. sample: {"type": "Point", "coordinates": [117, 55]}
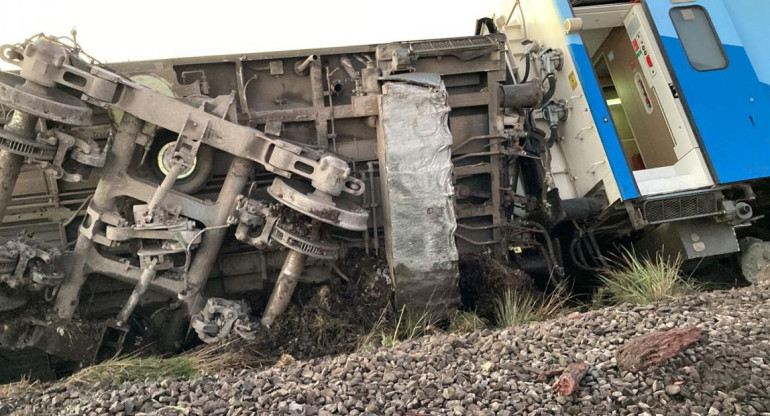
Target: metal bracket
{"type": "Point", "coordinates": [551, 60]}
{"type": "Point", "coordinates": [220, 317]}
{"type": "Point", "coordinates": [637, 219]}
{"type": "Point", "coordinates": [86, 152]}
{"type": "Point", "coordinates": [187, 144]}
{"type": "Point", "coordinates": [25, 250]}
{"type": "Point", "coordinates": [49, 64]}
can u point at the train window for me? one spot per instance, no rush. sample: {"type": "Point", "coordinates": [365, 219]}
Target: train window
{"type": "Point", "coordinates": [699, 38]}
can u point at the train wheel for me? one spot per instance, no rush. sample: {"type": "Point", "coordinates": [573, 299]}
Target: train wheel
{"type": "Point", "coordinates": [191, 180]}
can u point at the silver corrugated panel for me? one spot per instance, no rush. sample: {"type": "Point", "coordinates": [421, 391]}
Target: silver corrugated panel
{"type": "Point", "coordinates": [414, 143]}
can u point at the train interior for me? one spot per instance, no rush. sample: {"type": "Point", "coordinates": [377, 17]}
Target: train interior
{"type": "Point", "coordinates": [658, 143]}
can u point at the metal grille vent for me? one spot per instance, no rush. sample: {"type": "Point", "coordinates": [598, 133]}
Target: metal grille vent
{"type": "Point", "coordinates": [429, 48]}
{"type": "Point", "coordinates": [662, 210]}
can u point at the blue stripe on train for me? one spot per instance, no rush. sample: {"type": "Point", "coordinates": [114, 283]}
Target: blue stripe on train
{"type": "Point", "coordinates": [731, 111]}
{"type": "Point", "coordinates": [599, 110]}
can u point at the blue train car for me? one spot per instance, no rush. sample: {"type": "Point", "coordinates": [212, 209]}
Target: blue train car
{"type": "Point", "coordinates": [666, 108]}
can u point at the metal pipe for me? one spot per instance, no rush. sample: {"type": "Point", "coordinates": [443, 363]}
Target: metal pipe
{"type": "Point", "coordinates": [118, 162]}
{"type": "Point", "coordinates": [333, 134]}
{"type": "Point", "coordinates": [163, 189]}
{"type": "Point", "coordinates": [22, 125]}
{"type": "Point", "coordinates": [539, 228]}
{"type": "Point", "coordinates": [284, 287]}
{"type": "Point", "coordinates": [348, 67]}
{"type": "Point", "coordinates": [336, 87]}
{"type": "Point", "coordinates": [370, 78]}
{"type": "Point", "coordinates": [211, 242]}
{"type": "Point", "coordinates": [98, 264]}
{"type": "Point", "coordinates": [301, 67]}
{"type": "Point", "coordinates": [366, 205]}
{"type": "Point", "coordinates": [517, 96]}
{"type": "Point", "coordinates": [375, 205]}
{"type": "Point", "coordinates": [139, 290]}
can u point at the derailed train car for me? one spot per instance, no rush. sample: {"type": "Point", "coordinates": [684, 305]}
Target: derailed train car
{"type": "Point", "coordinates": [157, 194]}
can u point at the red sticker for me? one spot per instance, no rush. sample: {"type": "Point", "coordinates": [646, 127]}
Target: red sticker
{"type": "Point", "coordinates": [649, 61]}
{"type": "Point", "coordinates": [636, 45]}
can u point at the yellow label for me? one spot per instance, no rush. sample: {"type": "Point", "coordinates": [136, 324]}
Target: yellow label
{"type": "Point", "coordinates": [573, 82]}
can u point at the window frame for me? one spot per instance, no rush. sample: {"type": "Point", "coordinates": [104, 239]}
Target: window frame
{"type": "Point", "coordinates": [713, 30]}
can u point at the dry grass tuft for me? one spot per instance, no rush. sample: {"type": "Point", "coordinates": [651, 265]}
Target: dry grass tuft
{"type": "Point", "coordinates": [329, 331]}
{"type": "Point", "coordinates": [233, 353]}
{"type": "Point", "coordinates": [517, 308]}
{"type": "Point", "coordinates": [285, 360]}
{"type": "Point", "coordinates": [18, 388]}
{"type": "Point", "coordinates": [134, 368]}
{"type": "Point", "coordinates": [408, 325]}
{"type": "Point", "coordinates": [464, 322]}
{"type": "Point", "coordinates": [643, 280]}
{"type": "Point", "coordinates": [206, 359]}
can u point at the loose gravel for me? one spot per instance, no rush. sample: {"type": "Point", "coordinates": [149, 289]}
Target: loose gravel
{"type": "Point", "coordinates": [727, 372]}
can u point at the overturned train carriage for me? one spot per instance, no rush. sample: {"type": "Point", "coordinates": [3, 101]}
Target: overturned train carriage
{"type": "Point", "coordinates": [158, 195]}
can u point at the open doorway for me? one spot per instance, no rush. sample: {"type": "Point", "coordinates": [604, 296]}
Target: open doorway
{"type": "Point", "coordinates": [618, 113]}
{"type": "Point", "coordinates": [647, 140]}
{"type": "Point", "coordinates": [659, 144]}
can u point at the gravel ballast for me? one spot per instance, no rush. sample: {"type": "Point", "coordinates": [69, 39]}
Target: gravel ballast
{"type": "Point", "coordinates": [727, 372]}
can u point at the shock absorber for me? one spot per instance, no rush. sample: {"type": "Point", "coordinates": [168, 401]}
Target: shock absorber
{"type": "Point", "coordinates": [284, 287]}
{"type": "Point", "coordinates": [21, 126]}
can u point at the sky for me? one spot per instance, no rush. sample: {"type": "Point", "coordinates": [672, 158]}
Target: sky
{"type": "Point", "coordinates": [113, 31]}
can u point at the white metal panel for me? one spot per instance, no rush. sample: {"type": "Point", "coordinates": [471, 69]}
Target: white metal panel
{"type": "Point", "coordinates": [579, 159]}
{"type": "Point", "coordinates": [603, 16]}
{"type": "Point", "coordinates": [691, 171]}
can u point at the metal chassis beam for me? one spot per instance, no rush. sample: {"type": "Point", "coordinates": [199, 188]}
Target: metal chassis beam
{"type": "Point", "coordinates": [48, 64]}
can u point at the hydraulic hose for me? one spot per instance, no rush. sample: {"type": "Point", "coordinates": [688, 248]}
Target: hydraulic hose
{"type": "Point", "coordinates": [551, 78]}
{"type": "Point", "coordinates": [527, 68]}
{"type": "Point", "coordinates": [554, 137]}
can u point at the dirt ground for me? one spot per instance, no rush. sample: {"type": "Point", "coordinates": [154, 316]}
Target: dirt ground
{"type": "Point", "coordinates": [330, 318]}
{"type": "Point", "coordinates": [483, 279]}
{"type": "Point", "coordinates": [338, 316]}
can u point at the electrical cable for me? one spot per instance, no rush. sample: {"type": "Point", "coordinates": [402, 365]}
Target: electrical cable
{"type": "Point", "coordinates": [192, 240]}
{"type": "Point", "coordinates": [77, 211]}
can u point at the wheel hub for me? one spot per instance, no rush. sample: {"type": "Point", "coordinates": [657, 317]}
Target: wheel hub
{"type": "Point", "coordinates": [300, 196]}
{"type": "Point", "coordinates": [165, 161]}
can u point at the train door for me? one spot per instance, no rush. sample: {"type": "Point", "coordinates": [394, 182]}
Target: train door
{"type": "Point", "coordinates": [658, 140]}
{"type": "Point", "coordinates": [647, 140]}
{"type": "Point", "coordinates": [713, 77]}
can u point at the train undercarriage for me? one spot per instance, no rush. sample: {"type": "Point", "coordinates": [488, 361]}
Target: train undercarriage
{"type": "Point", "coordinates": [142, 199]}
